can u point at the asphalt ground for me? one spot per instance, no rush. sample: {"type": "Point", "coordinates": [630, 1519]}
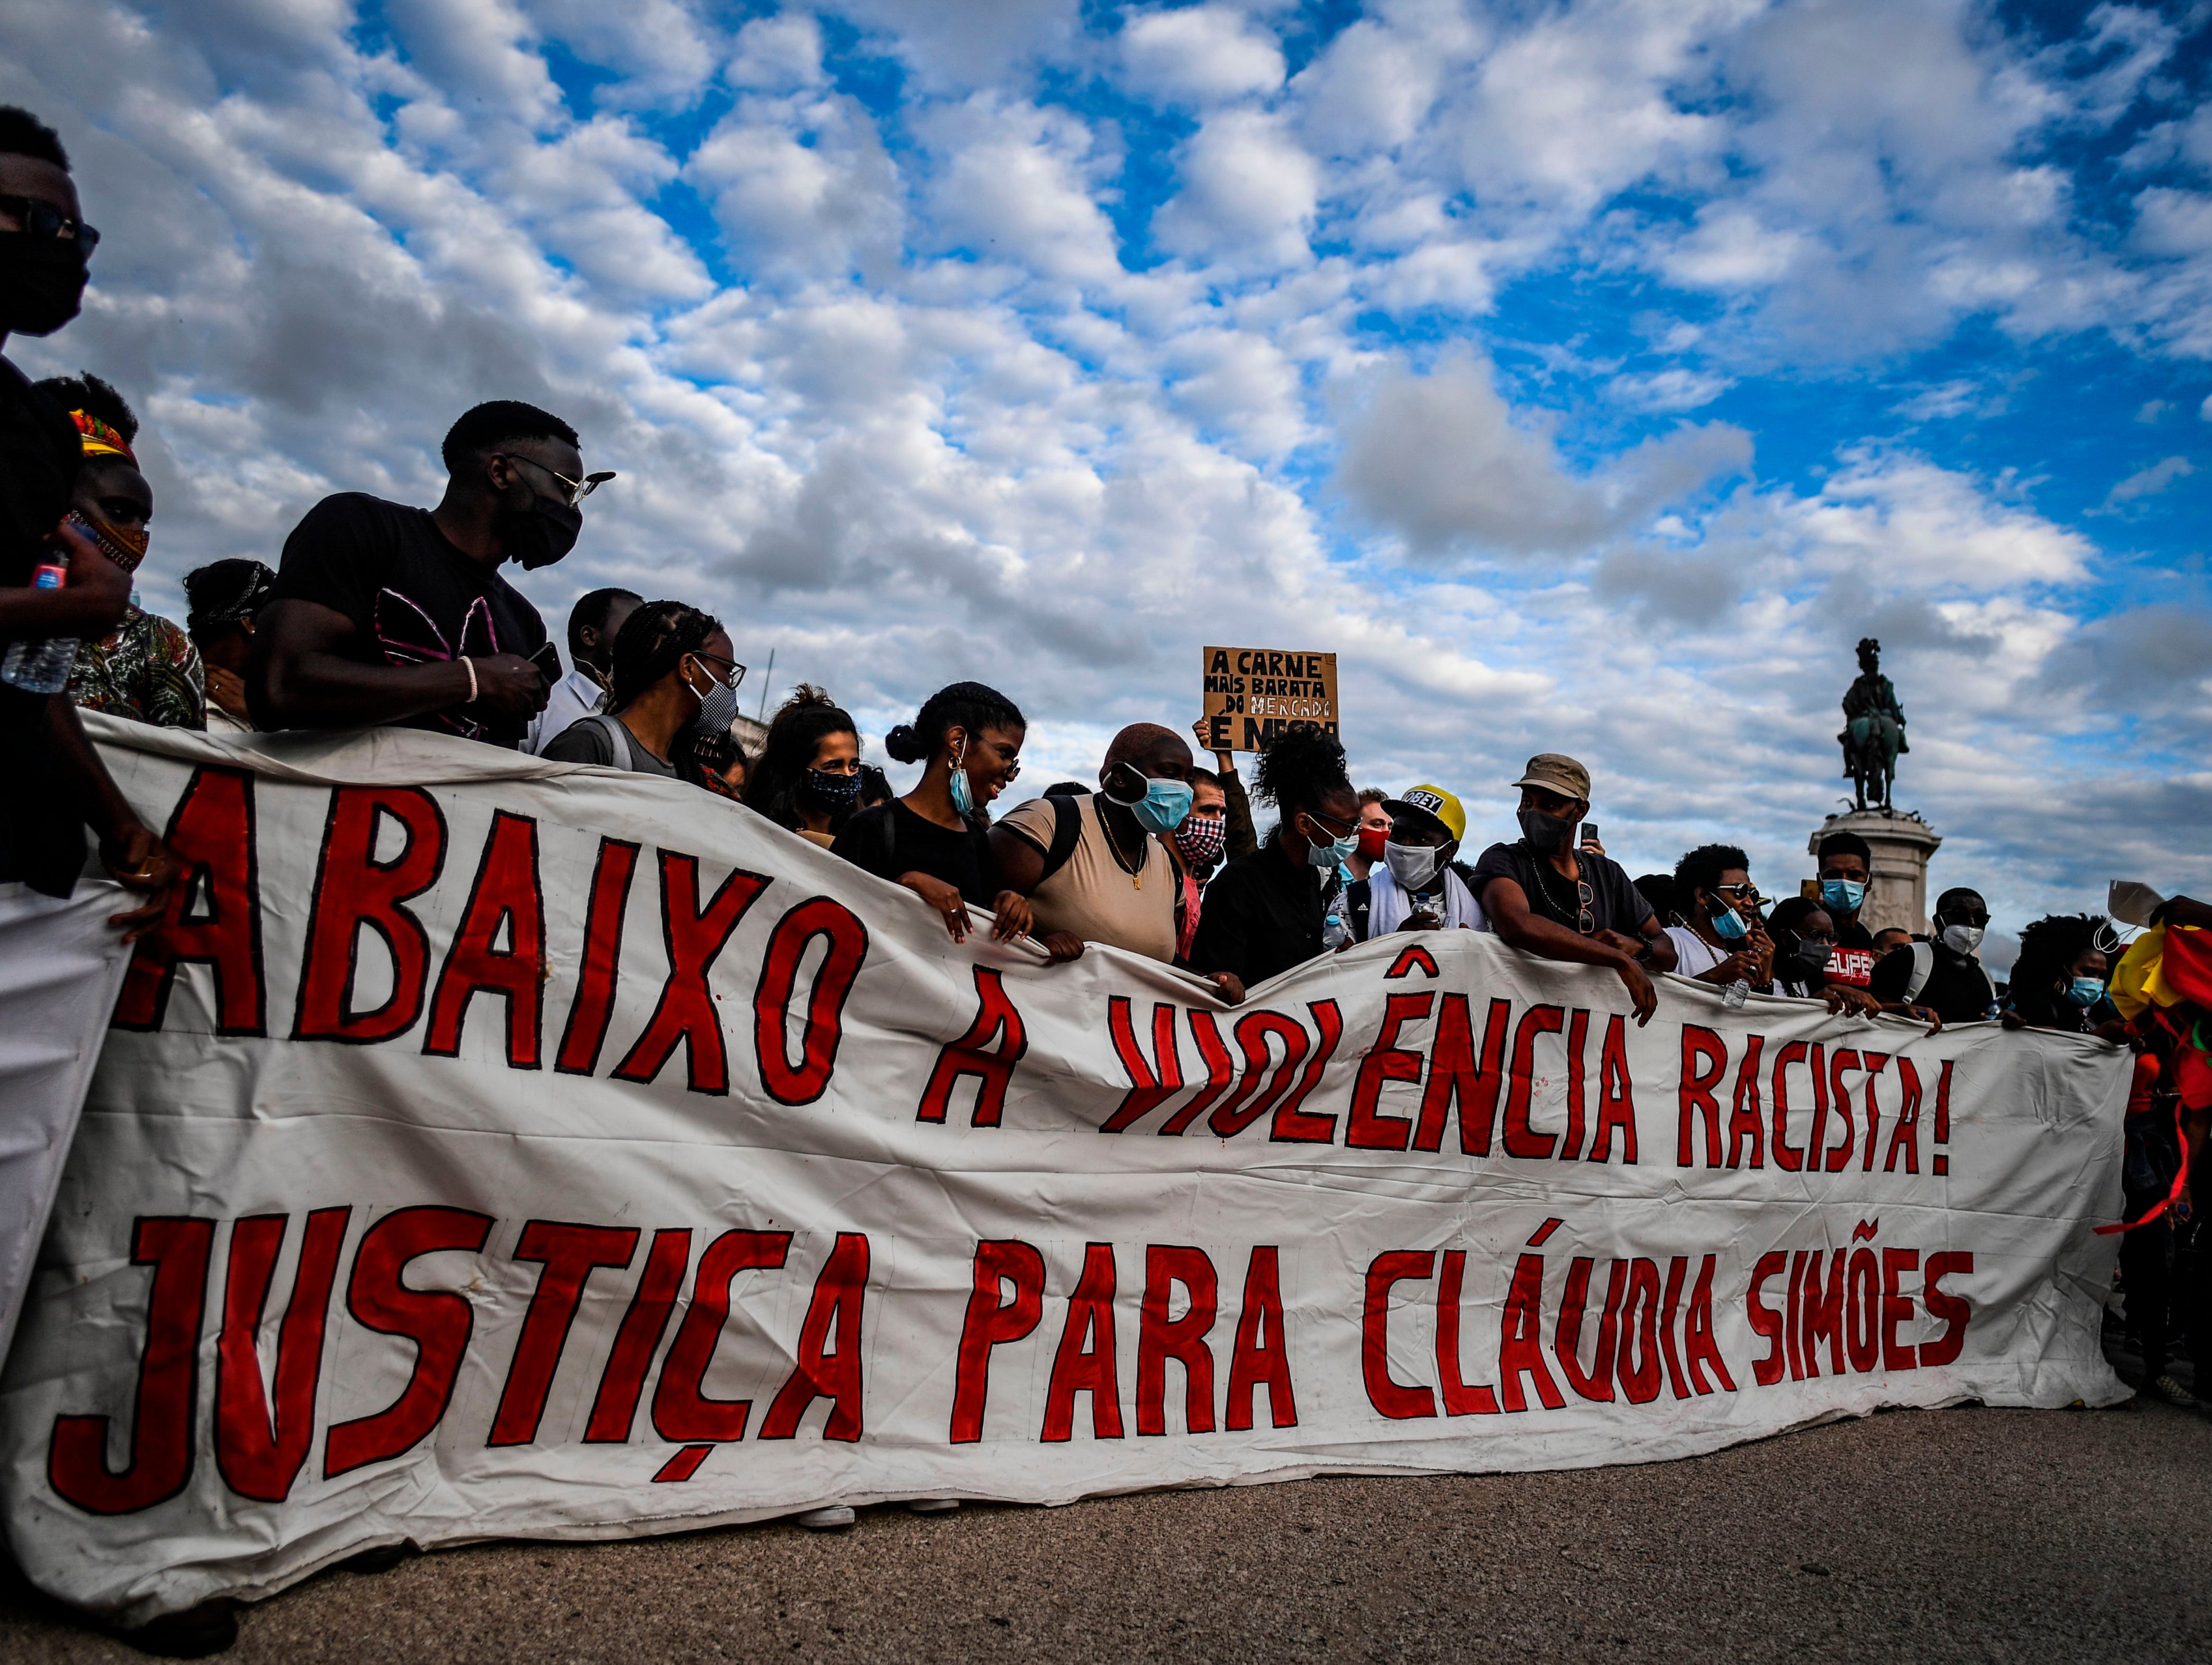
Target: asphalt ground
{"type": "Point", "coordinates": [1962, 1534]}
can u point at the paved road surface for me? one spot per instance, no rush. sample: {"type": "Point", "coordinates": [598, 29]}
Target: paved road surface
{"type": "Point", "coordinates": [1968, 1534]}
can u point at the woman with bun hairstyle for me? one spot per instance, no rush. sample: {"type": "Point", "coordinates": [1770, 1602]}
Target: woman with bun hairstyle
{"type": "Point", "coordinates": [674, 681]}
{"type": "Point", "coordinates": [935, 840]}
{"type": "Point", "coordinates": [1264, 914]}
{"type": "Point", "coordinates": [808, 778]}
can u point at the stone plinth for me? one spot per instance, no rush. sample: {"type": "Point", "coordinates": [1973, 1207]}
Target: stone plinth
{"type": "Point", "coordinates": [1901, 844]}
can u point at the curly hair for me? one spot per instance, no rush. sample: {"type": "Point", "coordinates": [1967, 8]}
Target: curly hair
{"type": "Point", "coordinates": [968, 705]}
{"type": "Point", "coordinates": [22, 134]}
{"type": "Point", "coordinates": [801, 724]}
{"type": "Point", "coordinates": [95, 398]}
{"type": "Point", "coordinates": [2049, 948]}
{"type": "Point", "coordinates": [1302, 766]}
{"type": "Point", "coordinates": [1701, 869]}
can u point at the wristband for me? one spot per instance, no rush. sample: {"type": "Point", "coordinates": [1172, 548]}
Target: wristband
{"type": "Point", "coordinates": [469, 665]}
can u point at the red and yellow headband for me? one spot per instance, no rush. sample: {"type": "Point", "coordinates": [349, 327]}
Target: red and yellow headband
{"type": "Point", "coordinates": [99, 439]}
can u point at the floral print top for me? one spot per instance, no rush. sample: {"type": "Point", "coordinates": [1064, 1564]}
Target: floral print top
{"type": "Point", "coordinates": [148, 670]}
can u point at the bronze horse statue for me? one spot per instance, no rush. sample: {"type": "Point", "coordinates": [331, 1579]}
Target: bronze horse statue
{"type": "Point", "coordinates": [1873, 730]}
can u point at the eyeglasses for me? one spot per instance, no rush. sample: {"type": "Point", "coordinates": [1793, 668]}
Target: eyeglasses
{"type": "Point", "coordinates": [1329, 823]}
{"type": "Point", "coordinates": [731, 668]}
{"type": "Point", "coordinates": [574, 488]}
{"type": "Point", "coordinates": [38, 217]}
{"type": "Point", "coordinates": [1586, 916]}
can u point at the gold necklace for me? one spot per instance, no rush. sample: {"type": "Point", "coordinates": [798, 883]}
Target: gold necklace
{"type": "Point", "coordinates": [1144, 859]}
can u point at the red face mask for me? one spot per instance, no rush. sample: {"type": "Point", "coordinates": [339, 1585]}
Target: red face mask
{"type": "Point", "coordinates": [1371, 840]}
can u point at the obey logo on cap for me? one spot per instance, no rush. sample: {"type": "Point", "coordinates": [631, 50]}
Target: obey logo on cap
{"type": "Point", "coordinates": [1422, 799]}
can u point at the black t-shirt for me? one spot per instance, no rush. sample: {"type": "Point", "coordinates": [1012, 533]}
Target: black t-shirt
{"type": "Point", "coordinates": [41, 843]}
{"type": "Point", "coordinates": [414, 598]}
{"type": "Point", "coordinates": [1958, 990]}
{"type": "Point", "coordinates": [1261, 915]}
{"type": "Point", "coordinates": [1615, 904]}
{"type": "Point", "coordinates": [1852, 960]}
{"type": "Point", "coordinates": [890, 839]}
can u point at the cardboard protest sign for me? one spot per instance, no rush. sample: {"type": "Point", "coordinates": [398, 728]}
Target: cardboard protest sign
{"type": "Point", "coordinates": [1252, 692]}
{"type": "Point", "coordinates": [490, 1147]}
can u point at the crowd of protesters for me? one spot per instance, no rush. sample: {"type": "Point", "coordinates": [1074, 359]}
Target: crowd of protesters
{"type": "Point", "coordinates": [380, 613]}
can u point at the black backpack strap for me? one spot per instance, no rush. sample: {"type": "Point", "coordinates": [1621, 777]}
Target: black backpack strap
{"type": "Point", "coordinates": [1067, 834]}
{"type": "Point", "coordinates": [1358, 902]}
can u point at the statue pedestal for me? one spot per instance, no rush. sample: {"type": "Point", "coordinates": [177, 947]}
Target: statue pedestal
{"type": "Point", "coordinates": [1901, 844]}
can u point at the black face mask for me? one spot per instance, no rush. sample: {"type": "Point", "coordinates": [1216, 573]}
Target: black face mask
{"type": "Point", "coordinates": [1546, 833]}
{"type": "Point", "coordinates": [541, 534]}
{"type": "Point", "coordinates": [828, 791]}
{"type": "Point", "coordinates": [41, 282]}
{"type": "Point", "coordinates": [1811, 958]}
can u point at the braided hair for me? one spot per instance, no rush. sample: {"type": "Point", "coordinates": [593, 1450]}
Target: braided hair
{"type": "Point", "coordinates": [801, 724]}
{"type": "Point", "coordinates": [968, 705]}
{"type": "Point", "coordinates": [2049, 948]}
{"type": "Point", "coordinates": [1302, 766]}
{"type": "Point", "coordinates": [653, 643]}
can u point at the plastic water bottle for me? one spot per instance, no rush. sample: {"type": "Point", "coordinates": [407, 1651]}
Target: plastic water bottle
{"type": "Point", "coordinates": [1735, 994]}
{"type": "Point", "coordinates": [41, 667]}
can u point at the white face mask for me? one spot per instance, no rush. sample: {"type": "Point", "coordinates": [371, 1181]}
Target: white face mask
{"type": "Point", "coordinates": [1962, 938]}
{"type": "Point", "coordinates": [1412, 865]}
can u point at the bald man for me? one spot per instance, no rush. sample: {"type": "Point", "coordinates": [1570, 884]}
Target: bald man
{"type": "Point", "coordinates": [1095, 865]}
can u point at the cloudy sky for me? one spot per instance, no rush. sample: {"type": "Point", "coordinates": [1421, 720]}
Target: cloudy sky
{"type": "Point", "coordinates": [1589, 377]}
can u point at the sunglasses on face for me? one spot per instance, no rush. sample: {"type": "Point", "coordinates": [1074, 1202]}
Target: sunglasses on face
{"type": "Point", "coordinates": [37, 217]}
{"type": "Point", "coordinates": [1746, 892]}
{"type": "Point", "coordinates": [572, 489]}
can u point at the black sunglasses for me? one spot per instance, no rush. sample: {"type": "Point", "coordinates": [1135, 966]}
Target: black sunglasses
{"type": "Point", "coordinates": [37, 217]}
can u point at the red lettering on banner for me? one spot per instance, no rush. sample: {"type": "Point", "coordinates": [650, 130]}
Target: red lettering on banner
{"type": "Point", "coordinates": [1520, 1140]}
{"type": "Point", "coordinates": [992, 1323]}
{"type": "Point", "coordinates": [1294, 1125]}
{"type": "Point", "coordinates": [990, 1049]}
{"type": "Point", "coordinates": [211, 832]}
{"type": "Point", "coordinates": [1821, 1314]}
{"type": "Point", "coordinates": [438, 1322]}
{"type": "Point", "coordinates": [1220, 1070]}
{"type": "Point", "coordinates": [1704, 1067]}
{"type": "Point", "coordinates": [1744, 1126]}
{"type": "Point", "coordinates": [1084, 1363]}
{"type": "Point", "coordinates": [840, 1298]}
{"type": "Point", "coordinates": [681, 1412]}
{"type": "Point", "coordinates": [1571, 1145]}
{"type": "Point", "coordinates": [1160, 1338]}
{"type": "Point", "coordinates": [685, 1015]}
{"type": "Point", "coordinates": [614, 1408]}
{"type": "Point", "coordinates": [1596, 1382]}
{"type": "Point", "coordinates": [258, 1450]}
{"type": "Point", "coordinates": [1616, 1096]}
{"type": "Point", "coordinates": [162, 1423]}
{"type": "Point", "coordinates": [824, 1030]}
{"type": "Point", "coordinates": [1677, 1269]}
{"type": "Point", "coordinates": [354, 891]}
{"type": "Point", "coordinates": [1407, 959]}
{"type": "Point", "coordinates": [1367, 1129]}
{"type": "Point", "coordinates": [1242, 1107]}
{"type": "Point", "coordinates": [1700, 1345]}
{"type": "Point", "coordinates": [1787, 1157]}
{"type": "Point", "coordinates": [1392, 1397]}
{"type": "Point", "coordinates": [1460, 1398]}
{"type": "Point", "coordinates": [1151, 1085]}
{"type": "Point", "coordinates": [1940, 1162]}
{"type": "Point", "coordinates": [1262, 1356]}
{"type": "Point", "coordinates": [1455, 1078]}
{"type": "Point", "coordinates": [1875, 1061]}
{"type": "Point", "coordinates": [1904, 1134]}
{"type": "Point", "coordinates": [1637, 1364]}
{"type": "Point", "coordinates": [569, 1253]}
{"type": "Point", "coordinates": [1819, 1154]}
{"type": "Point", "coordinates": [505, 896]}
{"type": "Point", "coordinates": [1897, 1309]}
{"type": "Point", "coordinates": [600, 967]}
{"type": "Point", "coordinates": [1764, 1320]}
{"type": "Point", "coordinates": [1862, 1312]}
{"type": "Point", "coordinates": [1793, 1333]}
{"type": "Point", "coordinates": [1520, 1340]}
{"type": "Point", "coordinates": [1952, 1309]}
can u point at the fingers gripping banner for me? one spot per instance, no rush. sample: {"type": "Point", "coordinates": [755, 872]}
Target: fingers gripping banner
{"type": "Point", "coordinates": [492, 1148]}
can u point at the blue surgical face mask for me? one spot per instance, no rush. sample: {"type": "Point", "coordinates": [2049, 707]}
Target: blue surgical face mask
{"type": "Point", "coordinates": [964, 795]}
{"type": "Point", "coordinates": [1728, 924]}
{"type": "Point", "coordinates": [1842, 895]}
{"type": "Point", "coordinates": [1163, 806]}
{"type": "Point", "coordinates": [1329, 853]}
{"type": "Point", "coordinates": [2085, 992]}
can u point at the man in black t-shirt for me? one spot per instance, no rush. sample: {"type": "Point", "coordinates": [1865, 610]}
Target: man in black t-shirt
{"type": "Point", "coordinates": [385, 614]}
{"type": "Point", "coordinates": [1943, 976]}
{"type": "Point", "coordinates": [1543, 895]}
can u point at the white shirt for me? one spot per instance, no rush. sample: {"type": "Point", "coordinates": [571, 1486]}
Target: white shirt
{"type": "Point", "coordinates": [575, 696]}
{"type": "Point", "coordinates": [1693, 955]}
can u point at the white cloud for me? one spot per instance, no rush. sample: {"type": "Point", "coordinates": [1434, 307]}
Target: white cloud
{"type": "Point", "coordinates": [2151, 481]}
{"type": "Point", "coordinates": [1678, 389]}
{"type": "Point", "coordinates": [1249, 193]}
{"type": "Point", "coordinates": [1198, 55]}
{"type": "Point", "coordinates": [802, 187]}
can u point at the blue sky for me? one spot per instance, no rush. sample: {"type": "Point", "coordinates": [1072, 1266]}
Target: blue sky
{"type": "Point", "coordinates": [1588, 376]}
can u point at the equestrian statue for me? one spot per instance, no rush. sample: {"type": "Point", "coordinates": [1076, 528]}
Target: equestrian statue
{"type": "Point", "coordinates": [1873, 730]}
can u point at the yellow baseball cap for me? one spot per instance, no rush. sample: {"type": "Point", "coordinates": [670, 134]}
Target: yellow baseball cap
{"type": "Point", "coordinates": [1432, 801]}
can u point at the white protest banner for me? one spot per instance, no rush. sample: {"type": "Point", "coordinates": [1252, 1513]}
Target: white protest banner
{"type": "Point", "coordinates": [497, 1149]}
